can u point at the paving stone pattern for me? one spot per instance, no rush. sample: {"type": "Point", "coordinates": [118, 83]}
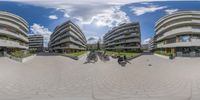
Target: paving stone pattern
{"type": "Point", "coordinates": [148, 77]}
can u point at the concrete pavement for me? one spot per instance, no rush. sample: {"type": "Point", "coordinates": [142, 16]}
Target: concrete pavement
{"type": "Point", "coordinates": [148, 77]}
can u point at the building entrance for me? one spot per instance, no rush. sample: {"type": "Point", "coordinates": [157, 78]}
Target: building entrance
{"type": "Point", "coordinates": [1, 52]}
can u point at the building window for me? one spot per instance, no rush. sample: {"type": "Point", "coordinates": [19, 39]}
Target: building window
{"type": "Point", "coordinates": [184, 38]}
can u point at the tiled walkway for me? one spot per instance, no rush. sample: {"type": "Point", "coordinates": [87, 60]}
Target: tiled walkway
{"type": "Point", "coordinates": [59, 78]}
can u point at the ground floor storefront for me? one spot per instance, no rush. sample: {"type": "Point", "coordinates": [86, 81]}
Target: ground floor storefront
{"type": "Point", "coordinates": [181, 51]}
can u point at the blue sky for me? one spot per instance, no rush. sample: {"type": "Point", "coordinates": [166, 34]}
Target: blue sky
{"type": "Point", "coordinates": [95, 18]}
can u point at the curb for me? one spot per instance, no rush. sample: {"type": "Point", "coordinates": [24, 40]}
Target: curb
{"type": "Point", "coordinates": [72, 57]}
{"type": "Point", "coordinates": [130, 58]}
{"type": "Point", "coordinates": [162, 56]}
{"type": "Point", "coordinates": [21, 60]}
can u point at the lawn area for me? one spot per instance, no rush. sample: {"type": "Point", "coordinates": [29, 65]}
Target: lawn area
{"type": "Point", "coordinates": [128, 54]}
{"type": "Point", "coordinates": [163, 53]}
{"type": "Point", "coordinates": [76, 54]}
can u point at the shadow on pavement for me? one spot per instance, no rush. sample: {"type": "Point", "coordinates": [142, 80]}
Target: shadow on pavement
{"type": "Point", "coordinates": [47, 54]}
{"type": "Point", "coordinates": [147, 53]}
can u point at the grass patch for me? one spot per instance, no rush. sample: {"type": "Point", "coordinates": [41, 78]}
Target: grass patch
{"type": "Point", "coordinates": [127, 54]}
{"type": "Point", "coordinates": [76, 54]}
{"type": "Point", "coordinates": [163, 53]}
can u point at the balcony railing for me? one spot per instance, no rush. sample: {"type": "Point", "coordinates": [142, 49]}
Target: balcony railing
{"type": "Point", "coordinates": [12, 44]}
{"type": "Point", "coordinates": [15, 35]}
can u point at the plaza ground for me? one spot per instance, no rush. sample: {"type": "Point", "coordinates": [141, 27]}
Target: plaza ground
{"type": "Point", "coordinates": [148, 77]}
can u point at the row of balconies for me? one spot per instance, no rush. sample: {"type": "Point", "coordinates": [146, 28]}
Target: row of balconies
{"type": "Point", "coordinates": [36, 41]}
{"type": "Point", "coordinates": [123, 47]}
{"type": "Point", "coordinates": [35, 38]}
{"type": "Point", "coordinates": [68, 40]}
{"type": "Point", "coordinates": [124, 41]}
{"type": "Point", "coordinates": [175, 32]}
{"type": "Point", "coordinates": [36, 46]}
{"type": "Point", "coordinates": [55, 35]}
{"type": "Point", "coordinates": [183, 23]}
{"type": "Point", "coordinates": [119, 30]}
{"type": "Point", "coordinates": [65, 36]}
{"type": "Point", "coordinates": [16, 22]}
{"type": "Point", "coordinates": [9, 43]}
{"type": "Point", "coordinates": [13, 16]}
{"type": "Point", "coordinates": [182, 13]}
{"type": "Point", "coordinates": [159, 25]}
{"type": "Point", "coordinates": [71, 46]}
{"type": "Point", "coordinates": [70, 26]}
{"type": "Point", "coordinates": [193, 42]}
{"type": "Point", "coordinates": [6, 23]}
{"type": "Point", "coordinates": [68, 36]}
{"type": "Point", "coordinates": [179, 31]}
{"type": "Point", "coordinates": [78, 30]}
{"type": "Point", "coordinates": [13, 31]}
{"type": "Point", "coordinates": [41, 43]}
{"type": "Point", "coordinates": [77, 33]}
{"type": "Point", "coordinates": [133, 36]}
{"type": "Point", "coordinates": [121, 33]}
{"type": "Point", "coordinates": [11, 34]}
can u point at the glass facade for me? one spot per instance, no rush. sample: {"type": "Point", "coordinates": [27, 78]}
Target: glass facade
{"type": "Point", "coordinates": [184, 38]}
{"type": "Point", "coordinates": [188, 51]}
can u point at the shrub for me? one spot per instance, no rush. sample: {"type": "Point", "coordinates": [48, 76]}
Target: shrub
{"type": "Point", "coordinates": [163, 53]}
{"type": "Point", "coordinates": [20, 54]}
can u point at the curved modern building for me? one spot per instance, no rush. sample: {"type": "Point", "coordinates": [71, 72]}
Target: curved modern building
{"type": "Point", "coordinates": [179, 33]}
{"type": "Point", "coordinates": [13, 32]}
{"type": "Point", "coordinates": [67, 38]}
{"type": "Point", "coordinates": [125, 37]}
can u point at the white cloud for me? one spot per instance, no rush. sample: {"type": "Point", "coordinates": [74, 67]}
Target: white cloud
{"type": "Point", "coordinates": [53, 17]}
{"type": "Point", "coordinates": [66, 15]}
{"type": "Point", "coordinates": [38, 29]}
{"type": "Point", "coordinates": [146, 3]}
{"type": "Point", "coordinates": [92, 40]}
{"type": "Point", "coordinates": [110, 17]}
{"type": "Point", "coordinates": [146, 41]}
{"type": "Point", "coordinates": [117, 2]}
{"type": "Point", "coordinates": [170, 11]}
{"type": "Point", "coordinates": [149, 9]}
{"type": "Point", "coordinates": [101, 12]}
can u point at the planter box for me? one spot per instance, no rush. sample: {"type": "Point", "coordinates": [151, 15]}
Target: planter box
{"type": "Point", "coordinates": [159, 55]}
{"type": "Point", "coordinates": [73, 57]}
{"type": "Point", "coordinates": [130, 58]}
{"type": "Point", "coordinates": [22, 60]}
{"type": "Point", "coordinates": [27, 58]}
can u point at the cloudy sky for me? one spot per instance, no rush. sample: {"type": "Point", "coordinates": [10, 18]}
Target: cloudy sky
{"type": "Point", "coordinates": [94, 17]}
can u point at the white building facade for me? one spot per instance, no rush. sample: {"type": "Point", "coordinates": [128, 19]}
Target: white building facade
{"type": "Point", "coordinates": [179, 33]}
{"type": "Point", "coordinates": [125, 37]}
{"type": "Point", "coordinates": [13, 32]}
{"type": "Point", "coordinates": [67, 38]}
